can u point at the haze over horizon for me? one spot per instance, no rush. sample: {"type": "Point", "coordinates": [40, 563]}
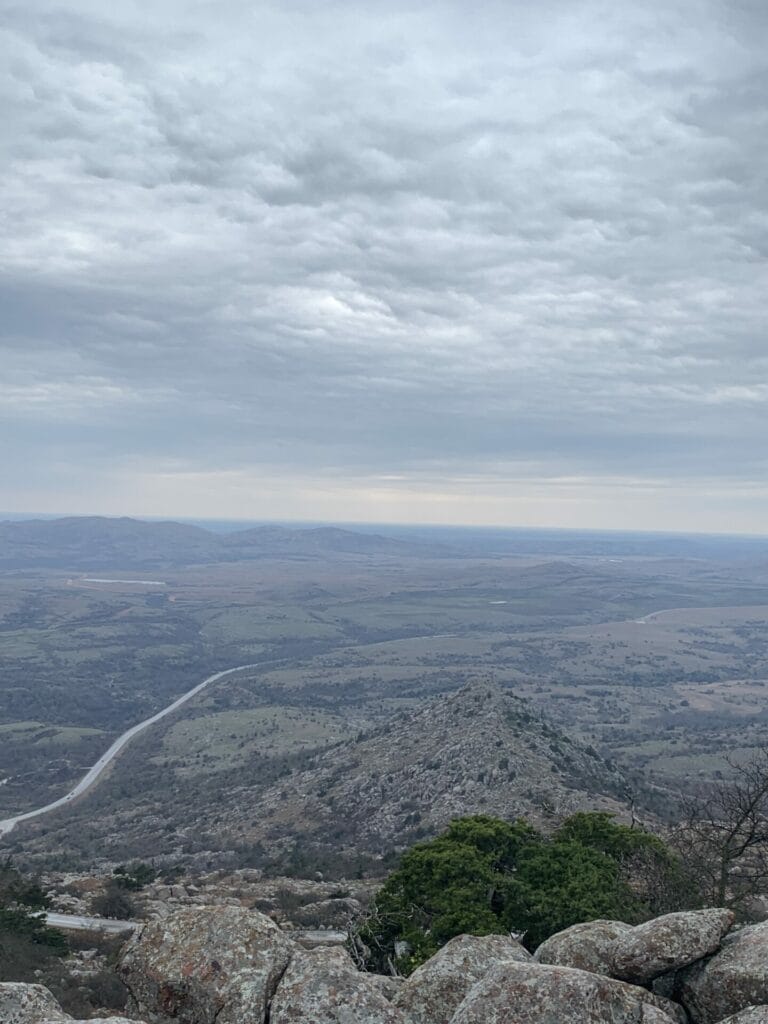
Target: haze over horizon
{"type": "Point", "coordinates": [387, 263]}
{"type": "Point", "coordinates": [389, 527]}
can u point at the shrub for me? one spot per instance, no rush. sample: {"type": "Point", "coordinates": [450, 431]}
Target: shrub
{"type": "Point", "coordinates": [486, 876]}
{"type": "Point", "coordinates": [26, 941]}
{"type": "Point", "coordinates": [114, 902]}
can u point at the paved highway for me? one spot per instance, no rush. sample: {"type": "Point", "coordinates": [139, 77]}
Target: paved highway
{"type": "Point", "coordinates": [80, 923]}
{"type": "Point", "coordinates": [93, 773]}
{"type": "Point", "coordinates": [91, 776]}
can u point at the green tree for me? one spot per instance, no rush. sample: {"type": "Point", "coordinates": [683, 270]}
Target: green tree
{"type": "Point", "coordinates": [26, 941]}
{"type": "Point", "coordinates": [564, 882]}
{"type": "Point", "coordinates": [134, 877]}
{"type": "Point", "coordinates": [599, 831]}
{"type": "Point", "coordinates": [659, 877]}
{"type": "Point", "coordinates": [499, 841]}
{"type": "Point", "coordinates": [485, 876]}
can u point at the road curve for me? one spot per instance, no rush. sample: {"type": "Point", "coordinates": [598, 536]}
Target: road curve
{"type": "Point", "coordinates": [79, 922]}
{"type": "Point", "coordinates": [8, 824]}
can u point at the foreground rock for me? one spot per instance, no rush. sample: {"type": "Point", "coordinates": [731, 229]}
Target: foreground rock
{"type": "Point", "coordinates": [105, 1020]}
{"type": "Point", "coordinates": [669, 943]}
{"type": "Point", "coordinates": [512, 993]}
{"type": "Point", "coordinates": [752, 1015]}
{"type": "Point", "coordinates": [731, 980]}
{"type": "Point", "coordinates": [34, 1004]}
{"type": "Point", "coordinates": [205, 965]}
{"type": "Point", "coordinates": [322, 988]}
{"type": "Point", "coordinates": [588, 947]}
{"type": "Point", "coordinates": [389, 987]}
{"type": "Point", "coordinates": [28, 1004]}
{"type": "Point", "coordinates": [433, 992]}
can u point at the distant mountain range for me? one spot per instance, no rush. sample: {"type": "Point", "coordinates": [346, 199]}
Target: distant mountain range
{"type": "Point", "coordinates": [97, 543]}
{"type": "Point", "coordinates": [90, 543]}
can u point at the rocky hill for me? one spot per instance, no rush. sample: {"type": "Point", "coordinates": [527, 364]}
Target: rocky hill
{"type": "Point", "coordinates": [478, 751]}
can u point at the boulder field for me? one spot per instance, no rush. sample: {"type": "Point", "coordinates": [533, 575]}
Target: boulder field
{"type": "Point", "coordinates": [227, 965]}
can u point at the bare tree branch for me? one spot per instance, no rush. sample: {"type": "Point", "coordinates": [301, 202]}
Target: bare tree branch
{"type": "Point", "coordinates": [723, 834]}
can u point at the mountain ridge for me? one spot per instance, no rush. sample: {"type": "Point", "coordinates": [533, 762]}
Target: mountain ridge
{"type": "Point", "coordinates": [91, 543]}
{"type": "Point", "coordinates": [480, 750]}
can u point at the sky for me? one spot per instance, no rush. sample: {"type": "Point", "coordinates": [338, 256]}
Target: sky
{"type": "Point", "coordinates": [417, 261]}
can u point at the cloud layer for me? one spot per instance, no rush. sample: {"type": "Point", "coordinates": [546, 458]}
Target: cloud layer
{"type": "Point", "coordinates": [387, 260]}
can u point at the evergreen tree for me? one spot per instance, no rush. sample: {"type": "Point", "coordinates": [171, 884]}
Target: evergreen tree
{"type": "Point", "coordinates": [26, 941]}
{"type": "Point", "coordinates": [484, 876]}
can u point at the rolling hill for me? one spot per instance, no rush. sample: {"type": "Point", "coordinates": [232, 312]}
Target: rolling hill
{"type": "Point", "coordinates": [99, 543]}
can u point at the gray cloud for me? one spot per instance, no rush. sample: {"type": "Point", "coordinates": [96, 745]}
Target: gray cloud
{"type": "Point", "coordinates": [364, 243]}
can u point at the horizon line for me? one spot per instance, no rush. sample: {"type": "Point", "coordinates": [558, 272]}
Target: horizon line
{"type": "Point", "coordinates": [9, 517]}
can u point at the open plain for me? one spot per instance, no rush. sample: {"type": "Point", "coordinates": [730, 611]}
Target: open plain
{"type": "Point", "coordinates": [660, 663]}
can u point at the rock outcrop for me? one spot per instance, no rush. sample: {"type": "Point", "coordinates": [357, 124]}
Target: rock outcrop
{"type": "Point", "coordinates": [105, 1020]}
{"type": "Point", "coordinates": [668, 943]}
{"type": "Point", "coordinates": [588, 946]}
{"type": "Point", "coordinates": [730, 981]}
{"type": "Point", "coordinates": [434, 991]}
{"type": "Point", "coordinates": [21, 1003]}
{"type": "Point", "coordinates": [229, 965]}
{"type": "Point", "coordinates": [536, 993]}
{"type": "Point", "coordinates": [388, 986]}
{"type": "Point", "coordinates": [752, 1015]}
{"type": "Point", "coordinates": [323, 987]}
{"type": "Point", "coordinates": [480, 750]}
{"type": "Point", "coordinates": [207, 965]}
{"type": "Point", "coordinates": [28, 1004]}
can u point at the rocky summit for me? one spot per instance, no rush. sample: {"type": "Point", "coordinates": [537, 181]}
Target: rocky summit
{"type": "Point", "coordinates": [221, 965]}
{"type": "Point", "coordinates": [480, 750]}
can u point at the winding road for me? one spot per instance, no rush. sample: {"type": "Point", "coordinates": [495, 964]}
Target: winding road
{"type": "Point", "coordinates": [307, 937]}
{"type": "Point", "coordinates": [91, 776]}
{"type": "Point", "coordinates": [81, 923]}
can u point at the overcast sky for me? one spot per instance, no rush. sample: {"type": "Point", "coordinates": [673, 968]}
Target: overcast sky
{"type": "Point", "coordinates": [380, 260]}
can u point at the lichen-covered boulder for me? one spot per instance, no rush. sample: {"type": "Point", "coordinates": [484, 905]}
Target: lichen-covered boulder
{"type": "Point", "coordinates": [533, 993]}
{"type": "Point", "coordinates": [28, 1004]}
{"type": "Point", "coordinates": [733, 979]}
{"type": "Point", "coordinates": [740, 931]}
{"type": "Point", "coordinates": [652, 1015]}
{"type": "Point", "coordinates": [589, 946]}
{"type": "Point", "coordinates": [205, 965]}
{"type": "Point", "coordinates": [668, 943]}
{"type": "Point", "coordinates": [331, 956]}
{"type": "Point", "coordinates": [387, 985]}
{"type": "Point", "coordinates": [751, 1015]}
{"type": "Point", "coordinates": [434, 990]}
{"type": "Point", "coordinates": [104, 1020]}
{"type": "Point", "coordinates": [319, 989]}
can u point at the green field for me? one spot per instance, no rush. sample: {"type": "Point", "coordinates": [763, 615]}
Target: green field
{"type": "Point", "coordinates": [215, 742]}
{"type": "Point", "coordinates": [345, 644]}
{"type": "Point", "coordinates": [40, 733]}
